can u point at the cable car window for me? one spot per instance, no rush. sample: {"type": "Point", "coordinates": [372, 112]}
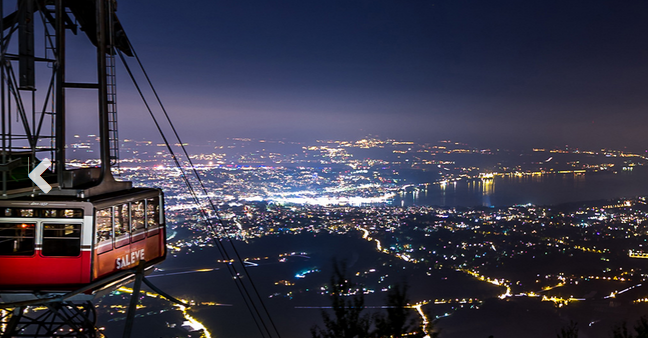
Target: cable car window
{"type": "Point", "coordinates": [122, 225]}
{"type": "Point", "coordinates": [121, 219]}
{"type": "Point", "coordinates": [26, 212]}
{"type": "Point", "coordinates": [45, 213]}
{"type": "Point", "coordinates": [104, 229]}
{"type": "Point", "coordinates": [61, 239]}
{"type": "Point", "coordinates": [17, 239]}
{"type": "Point", "coordinates": [153, 214]}
{"type": "Point", "coordinates": [137, 217]}
{"type": "Point", "coordinates": [72, 213]}
{"type": "Point", "coordinates": [49, 213]}
{"type": "Point", "coordinates": [61, 213]}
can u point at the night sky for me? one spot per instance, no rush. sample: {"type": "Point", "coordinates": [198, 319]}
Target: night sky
{"type": "Point", "coordinates": [490, 73]}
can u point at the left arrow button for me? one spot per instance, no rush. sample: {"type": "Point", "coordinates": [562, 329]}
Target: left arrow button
{"type": "Point", "coordinates": [35, 175]}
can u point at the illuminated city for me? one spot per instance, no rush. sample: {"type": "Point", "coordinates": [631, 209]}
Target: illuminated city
{"type": "Point", "coordinates": [323, 169]}
{"type": "Point", "coordinates": [566, 255]}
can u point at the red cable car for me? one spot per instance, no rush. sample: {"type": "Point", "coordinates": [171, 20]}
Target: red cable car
{"type": "Point", "coordinates": [90, 230]}
{"type": "Point", "coordinates": [54, 245]}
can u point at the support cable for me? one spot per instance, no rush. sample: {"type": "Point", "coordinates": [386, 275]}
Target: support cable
{"type": "Point", "coordinates": [215, 209]}
{"type": "Point", "coordinates": [232, 269]}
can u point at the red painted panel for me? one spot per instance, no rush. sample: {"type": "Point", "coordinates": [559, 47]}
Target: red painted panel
{"type": "Point", "coordinates": [127, 256]}
{"type": "Point", "coordinates": [38, 272]}
{"type": "Point", "coordinates": [23, 272]}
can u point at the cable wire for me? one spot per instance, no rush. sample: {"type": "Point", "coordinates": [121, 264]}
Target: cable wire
{"type": "Point", "coordinates": [232, 269]}
{"type": "Point", "coordinates": [215, 209]}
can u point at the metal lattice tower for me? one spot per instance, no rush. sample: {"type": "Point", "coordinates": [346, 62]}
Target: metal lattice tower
{"type": "Point", "coordinates": [111, 83]}
{"type": "Point", "coordinates": [33, 88]}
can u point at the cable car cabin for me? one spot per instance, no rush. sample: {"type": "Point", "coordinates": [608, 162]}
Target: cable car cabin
{"type": "Point", "coordinates": [57, 245]}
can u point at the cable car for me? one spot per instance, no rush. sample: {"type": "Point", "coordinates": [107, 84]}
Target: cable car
{"type": "Point", "coordinates": [53, 245]}
{"type": "Point", "coordinates": [90, 227]}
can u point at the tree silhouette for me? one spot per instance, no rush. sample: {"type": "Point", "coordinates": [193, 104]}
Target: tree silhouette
{"type": "Point", "coordinates": [621, 331]}
{"type": "Point", "coordinates": [641, 328]}
{"type": "Point", "coordinates": [347, 303]}
{"type": "Point", "coordinates": [349, 321]}
{"type": "Point", "coordinates": [398, 322]}
{"type": "Point", "coordinates": [569, 331]}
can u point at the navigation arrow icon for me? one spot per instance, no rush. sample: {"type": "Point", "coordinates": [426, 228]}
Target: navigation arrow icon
{"type": "Point", "coordinates": [35, 175]}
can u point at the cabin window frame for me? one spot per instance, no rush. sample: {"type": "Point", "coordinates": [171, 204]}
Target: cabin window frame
{"type": "Point", "coordinates": [111, 239]}
{"type": "Point", "coordinates": [61, 222]}
{"type": "Point", "coordinates": [150, 223]}
{"type": "Point", "coordinates": [124, 238]}
{"type": "Point", "coordinates": [35, 231]}
{"type": "Point", "coordinates": [152, 231]}
{"type": "Point", "coordinates": [140, 233]}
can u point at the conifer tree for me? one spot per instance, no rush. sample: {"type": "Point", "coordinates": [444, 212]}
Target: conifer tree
{"type": "Point", "coordinates": [400, 320]}
{"type": "Point", "coordinates": [397, 322]}
{"type": "Point", "coordinates": [347, 302]}
{"type": "Point", "coordinates": [622, 331]}
{"type": "Point", "coordinates": [569, 331]}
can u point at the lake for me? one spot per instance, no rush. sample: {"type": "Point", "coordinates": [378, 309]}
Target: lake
{"type": "Point", "coordinates": [538, 190]}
